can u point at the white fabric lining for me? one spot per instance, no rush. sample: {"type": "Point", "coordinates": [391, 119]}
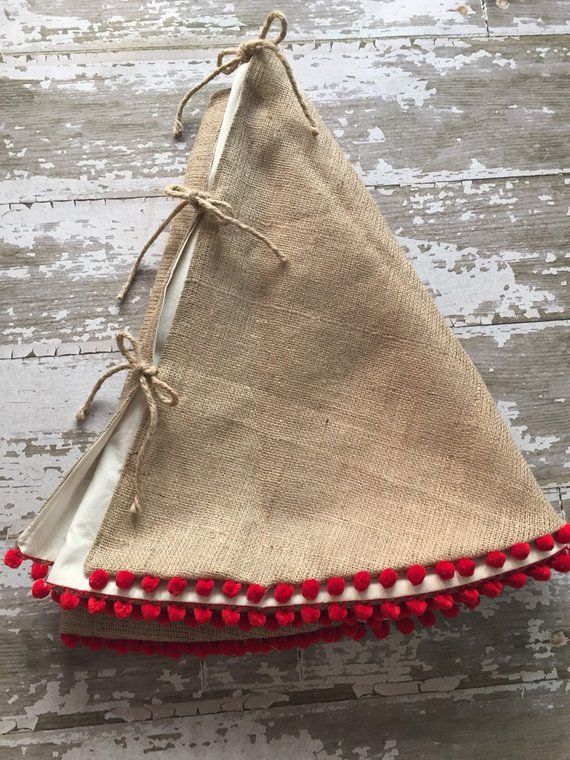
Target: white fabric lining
{"type": "Point", "coordinates": [68, 568]}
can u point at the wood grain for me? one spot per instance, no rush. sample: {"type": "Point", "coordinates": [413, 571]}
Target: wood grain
{"type": "Point", "coordinates": [491, 251]}
{"type": "Point", "coordinates": [404, 111]}
{"type": "Point", "coordinates": [74, 25]}
{"type": "Point", "coordinates": [527, 17]}
{"type": "Point", "coordinates": [377, 727]}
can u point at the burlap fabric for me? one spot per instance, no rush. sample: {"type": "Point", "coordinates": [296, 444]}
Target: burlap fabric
{"type": "Point", "coordinates": [329, 421]}
{"type": "Point", "coordinates": [81, 623]}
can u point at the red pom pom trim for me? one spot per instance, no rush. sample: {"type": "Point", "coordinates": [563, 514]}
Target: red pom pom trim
{"type": "Point", "coordinates": [310, 589]}
{"type": "Point", "coordinates": [520, 550]}
{"type": "Point", "coordinates": [388, 577]}
{"type": "Point", "coordinates": [361, 580]}
{"type": "Point", "coordinates": [98, 579]}
{"type": "Point", "coordinates": [125, 579]}
{"type": "Point", "coordinates": [40, 589]}
{"type": "Point", "coordinates": [416, 574]}
{"type": "Point", "coordinates": [256, 619]}
{"type": "Point", "coordinates": [176, 586]}
{"type": "Point", "coordinates": [68, 600]}
{"type": "Point", "coordinates": [544, 543]}
{"type": "Point", "coordinates": [310, 615]}
{"type": "Point", "coordinates": [283, 592]}
{"type": "Point", "coordinates": [96, 606]}
{"type": "Point", "coordinates": [204, 586]}
{"type": "Point", "coordinates": [496, 559]}
{"type": "Point", "coordinates": [562, 535]}
{"type": "Point", "coordinates": [465, 567]}
{"type": "Point", "coordinates": [39, 570]}
{"type": "Point", "coordinates": [231, 588]}
{"type": "Point", "coordinates": [150, 583]}
{"type": "Point", "coordinates": [335, 586]}
{"type": "Point", "coordinates": [13, 558]}
{"type": "Point", "coordinates": [255, 593]}
{"type": "Point", "coordinates": [445, 570]}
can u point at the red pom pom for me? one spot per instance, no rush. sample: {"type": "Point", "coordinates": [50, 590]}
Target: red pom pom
{"type": "Point", "coordinates": [540, 572]}
{"type": "Point", "coordinates": [230, 617]}
{"type": "Point", "coordinates": [469, 597]}
{"type": "Point", "coordinates": [335, 586]}
{"type": "Point", "coordinates": [381, 629]}
{"type": "Point", "coordinates": [562, 535]}
{"type": "Point", "coordinates": [310, 614]}
{"type": "Point", "coordinates": [256, 618]}
{"type": "Point", "coordinates": [362, 580]}
{"type": "Point", "coordinates": [68, 601]}
{"type": "Point", "coordinates": [336, 612]}
{"type": "Point", "coordinates": [202, 615]}
{"type": "Point", "coordinates": [150, 583]}
{"type": "Point", "coordinates": [390, 610]}
{"type": "Point", "coordinates": [40, 589]}
{"type": "Point", "coordinates": [204, 586]}
{"type": "Point", "coordinates": [176, 613]}
{"type": "Point", "coordinates": [283, 592]}
{"type": "Point", "coordinates": [427, 619]}
{"type": "Point", "coordinates": [416, 574]}
{"type": "Point", "coordinates": [363, 611]}
{"type": "Point", "coordinates": [561, 562]}
{"type": "Point", "coordinates": [496, 559]}
{"type": "Point", "coordinates": [70, 640]}
{"type": "Point", "coordinates": [39, 570]}
{"type": "Point", "coordinates": [544, 543]}
{"type": "Point", "coordinates": [516, 580]}
{"type": "Point", "coordinates": [491, 588]}
{"type": "Point", "coordinates": [150, 611]}
{"type": "Point", "coordinates": [13, 558]}
{"type": "Point", "coordinates": [416, 606]}
{"type": "Point", "coordinates": [95, 606]}
{"type": "Point", "coordinates": [122, 609]}
{"type": "Point", "coordinates": [445, 570]}
{"type": "Point", "coordinates": [284, 617]}
{"type": "Point", "coordinates": [255, 593]}
{"type": "Point", "coordinates": [98, 579]}
{"type": "Point", "coordinates": [465, 567]}
{"type": "Point", "coordinates": [176, 586]}
{"type": "Point", "coordinates": [388, 577]}
{"type": "Point", "coordinates": [452, 612]}
{"type": "Point", "coordinates": [442, 602]}
{"type": "Point", "coordinates": [231, 588]}
{"type": "Point", "coordinates": [405, 625]}
{"type": "Point", "coordinates": [125, 579]}
{"type": "Point", "coordinates": [520, 551]}
{"type": "Point", "coordinates": [310, 589]}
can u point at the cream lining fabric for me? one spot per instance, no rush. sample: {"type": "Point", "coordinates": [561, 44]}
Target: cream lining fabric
{"type": "Point", "coordinates": [85, 496]}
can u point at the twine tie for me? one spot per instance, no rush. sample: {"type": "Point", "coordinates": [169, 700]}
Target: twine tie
{"type": "Point", "coordinates": [155, 391]}
{"type": "Point", "coordinates": [243, 54]}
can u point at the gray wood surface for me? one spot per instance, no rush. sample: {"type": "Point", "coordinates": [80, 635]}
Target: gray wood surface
{"type": "Point", "coordinates": [456, 118]}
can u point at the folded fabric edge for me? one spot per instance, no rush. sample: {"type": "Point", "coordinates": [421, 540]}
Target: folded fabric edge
{"type": "Point", "coordinates": [460, 583]}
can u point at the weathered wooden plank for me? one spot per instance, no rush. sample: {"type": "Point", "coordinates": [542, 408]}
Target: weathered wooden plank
{"type": "Point", "coordinates": [43, 26]}
{"type": "Point", "coordinates": [476, 724]}
{"type": "Point", "coordinates": [61, 264]}
{"type": "Point", "coordinates": [527, 17]}
{"type": "Point", "coordinates": [98, 125]}
{"type": "Point", "coordinates": [525, 367]}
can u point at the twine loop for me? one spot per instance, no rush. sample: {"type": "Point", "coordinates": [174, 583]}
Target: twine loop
{"type": "Point", "coordinates": [207, 203]}
{"type": "Point", "coordinates": [242, 54]}
{"type": "Point", "coordinates": [155, 391]}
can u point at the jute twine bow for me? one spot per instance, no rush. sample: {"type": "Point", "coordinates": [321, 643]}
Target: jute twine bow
{"type": "Point", "coordinates": [243, 54]}
{"type": "Point", "coordinates": [221, 211]}
{"type": "Point", "coordinates": [154, 389]}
